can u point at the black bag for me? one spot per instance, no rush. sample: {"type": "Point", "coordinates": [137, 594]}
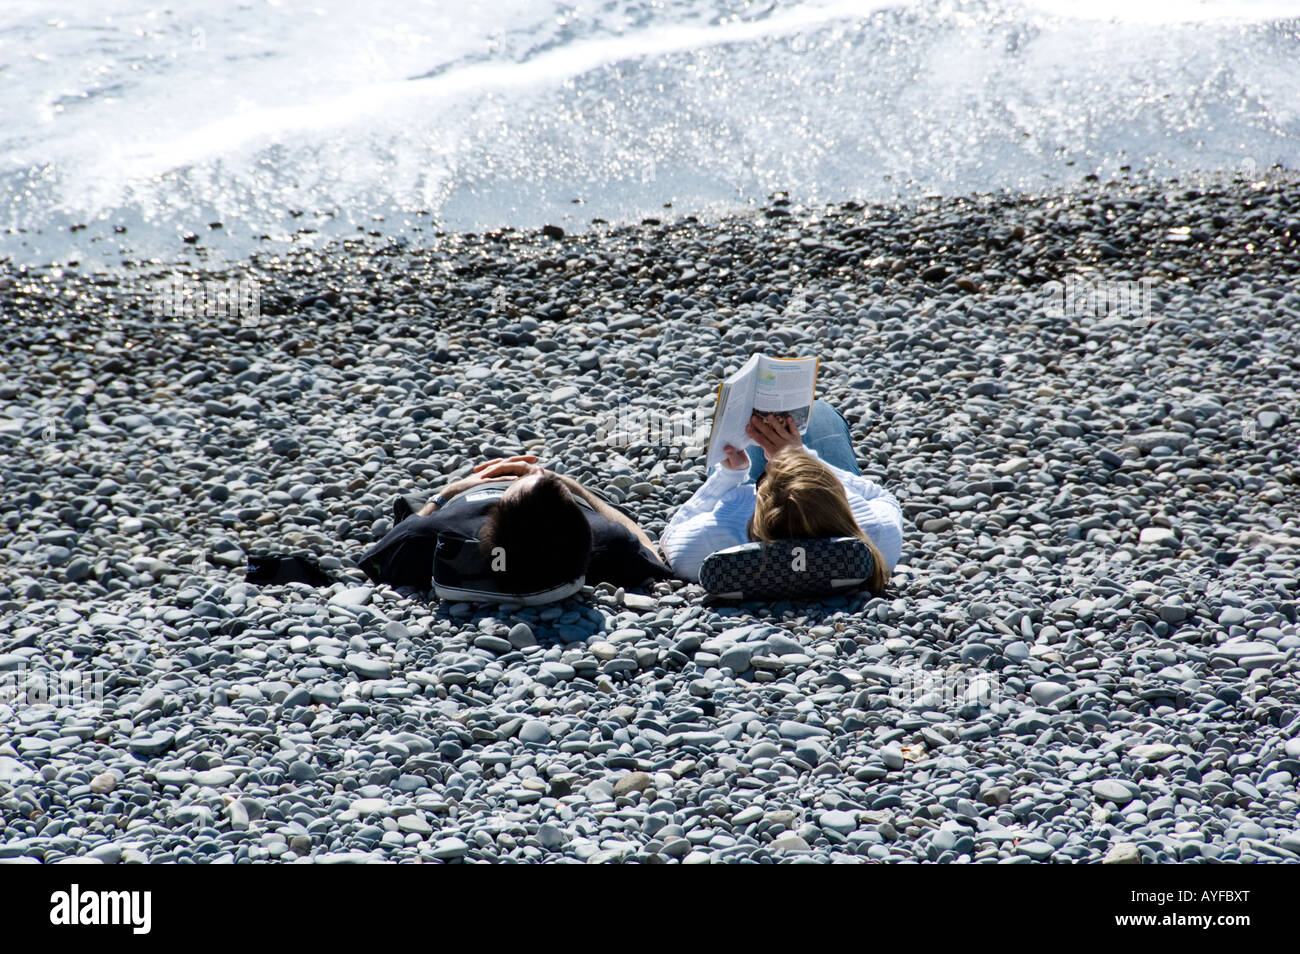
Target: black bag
{"type": "Point", "coordinates": [271, 570]}
{"type": "Point", "coordinates": [461, 573]}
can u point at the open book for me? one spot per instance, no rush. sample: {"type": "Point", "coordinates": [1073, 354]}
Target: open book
{"type": "Point", "coordinates": [768, 386]}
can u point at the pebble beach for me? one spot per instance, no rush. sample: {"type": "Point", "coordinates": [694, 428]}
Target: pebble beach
{"type": "Point", "coordinates": [1088, 653]}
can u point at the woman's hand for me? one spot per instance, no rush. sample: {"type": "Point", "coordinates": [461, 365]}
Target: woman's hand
{"type": "Point", "coordinates": [735, 459]}
{"type": "Point", "coordinates": [773, 432]}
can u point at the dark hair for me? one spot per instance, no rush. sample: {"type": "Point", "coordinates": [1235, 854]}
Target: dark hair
{"type": "Point", "coordinates": [542, 534]}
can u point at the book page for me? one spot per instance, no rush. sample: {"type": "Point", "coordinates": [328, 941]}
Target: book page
{"type": "Point", "coordinates": [786, 386]}
{"type": "Point", "coordinates": [735, 401]}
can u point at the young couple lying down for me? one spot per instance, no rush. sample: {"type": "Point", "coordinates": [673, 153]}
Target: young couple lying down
{"type": "Point", "coordinates": [540, 529]}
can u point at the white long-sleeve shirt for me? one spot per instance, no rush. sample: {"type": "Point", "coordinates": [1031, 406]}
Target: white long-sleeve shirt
{"type": "Point", "coordinates": [717, 517]}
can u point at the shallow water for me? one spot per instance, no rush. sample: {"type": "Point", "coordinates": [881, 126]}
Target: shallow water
{"type": "Point", "coordinates": [294, 121]}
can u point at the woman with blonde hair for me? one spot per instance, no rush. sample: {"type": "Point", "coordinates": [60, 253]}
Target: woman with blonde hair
{"type": "Point", "coordinates": [787, 488]}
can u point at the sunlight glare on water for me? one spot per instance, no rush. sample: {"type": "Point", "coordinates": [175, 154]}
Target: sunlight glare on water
{"type": "Point", "coordinates": [326, 115]}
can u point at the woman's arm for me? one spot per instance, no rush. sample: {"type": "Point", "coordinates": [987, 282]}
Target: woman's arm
{"type": "Point", "coordinates": [713, 519]}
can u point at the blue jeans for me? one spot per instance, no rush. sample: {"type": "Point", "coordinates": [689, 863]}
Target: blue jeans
{"type": "Point", "coordinates": [827, 434]}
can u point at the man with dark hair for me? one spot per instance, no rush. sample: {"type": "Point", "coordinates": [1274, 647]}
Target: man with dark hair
{"type": "Point", "coordinates": [536, 534]}
{"type": "Point", "coordinates": [535, 529]}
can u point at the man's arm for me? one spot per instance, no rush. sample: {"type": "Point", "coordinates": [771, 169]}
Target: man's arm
{"type": "Point", "coordinates": [521, 466]}
{"type": "Point", "coordinates": [608, 512]}
{"type": "Point", "coordinates": [501, 468]}
{"type": "Point", "coordinates": [433, 503]}
{"type": "Point", "coordinates": [441, 497]}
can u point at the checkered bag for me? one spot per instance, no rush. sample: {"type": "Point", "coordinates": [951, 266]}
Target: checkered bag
{"type": "Point", "coordinates": [787, 569]}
